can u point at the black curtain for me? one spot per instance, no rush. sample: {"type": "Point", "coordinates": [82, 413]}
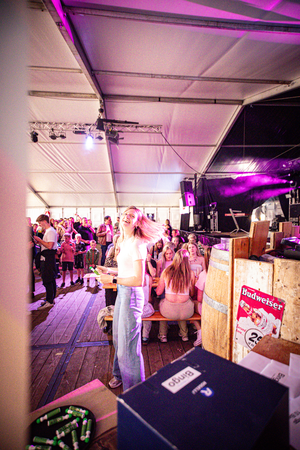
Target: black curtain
{"type": "Point", "coordinates": [238, 194]}
{"type": "Point", "coordinates": [284, 203]}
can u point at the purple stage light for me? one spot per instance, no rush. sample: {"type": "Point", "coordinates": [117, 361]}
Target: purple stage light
{"type": "Point", "coordinates": [245, 183]}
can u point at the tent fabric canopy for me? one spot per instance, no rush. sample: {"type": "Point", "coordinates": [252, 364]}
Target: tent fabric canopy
{"type": "Point", "coordinates": [188, 67]}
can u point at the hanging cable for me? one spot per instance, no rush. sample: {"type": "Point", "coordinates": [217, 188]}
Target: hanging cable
{"type": "Point", "coordinates": [179, 155]}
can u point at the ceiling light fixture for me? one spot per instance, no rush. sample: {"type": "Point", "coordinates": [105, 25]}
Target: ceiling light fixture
{"type": "Point", "coordinates": [89, 142]}
{"type": "Point", "coordinates": [100, 124]}
{"type": "Point", "coordinates": [34, 136]}
{"type": "Point", "coordinates": [52, 134]}
{"type": "Point", "coordinates": [79, 131]}
{"type": "Point", "coordinates": [112, 136]}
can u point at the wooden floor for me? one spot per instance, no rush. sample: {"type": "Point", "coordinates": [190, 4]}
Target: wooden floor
{"type": "Point", "coordinates": [68, 349]}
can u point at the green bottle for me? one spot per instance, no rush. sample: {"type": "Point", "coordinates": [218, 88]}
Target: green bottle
{"type": "Point", "coordinates": [94, 270]}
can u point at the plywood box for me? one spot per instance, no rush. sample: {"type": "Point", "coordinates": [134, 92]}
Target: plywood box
{"type": "Point", "coordinates": [286, 285]}
{"type": "Point", "coordinates": [286, 228]}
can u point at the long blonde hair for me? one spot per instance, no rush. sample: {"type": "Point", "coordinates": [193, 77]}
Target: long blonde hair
{"type": "Point", "coordinates": [207, 253]}
{"type": "Point", "coordinates": [145, 228]}
{"type": "Point", "coordinates": [167, 246]}
{"type": "Point", "coordinates": [179, 272]}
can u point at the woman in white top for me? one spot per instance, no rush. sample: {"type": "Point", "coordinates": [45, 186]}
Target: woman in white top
{"type": "Point", "coordinates": [196, 260]}
{"type": "Point", "coordinates": [136, 232]}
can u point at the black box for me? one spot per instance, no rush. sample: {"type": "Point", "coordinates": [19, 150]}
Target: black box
{"type": "Point", "coordinates": [202, 401]}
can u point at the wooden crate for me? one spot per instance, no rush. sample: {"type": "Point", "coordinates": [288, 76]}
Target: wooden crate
{"type": "Point", "coordinates": [286, 228]}
{"type": "Point", "coordinates": [258, 237]}
{"type": "Point", "coordinates": [286, 285]}
{"type": "Point", "coordinates": [275, 240]}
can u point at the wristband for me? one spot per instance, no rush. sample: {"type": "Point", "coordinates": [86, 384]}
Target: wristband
{"type": "Point", "coordinates": [114, 280]}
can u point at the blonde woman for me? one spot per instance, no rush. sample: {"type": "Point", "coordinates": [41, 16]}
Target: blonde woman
{"type": "Point", "coordinates": [195, 258]}
{"type": "Point", "coordinates": [137, 231]}
{"type": "Point", "coordinates": [166, 258]}
{"type": "Point", "coordinates": [178, 282]}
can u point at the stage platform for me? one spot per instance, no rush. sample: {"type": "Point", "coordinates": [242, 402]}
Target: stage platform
{"type": "Point", "coordinates": [212, 238]}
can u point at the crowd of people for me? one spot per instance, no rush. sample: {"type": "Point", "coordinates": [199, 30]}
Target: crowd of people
{"type": "Point", "coordinates": [132, 254]}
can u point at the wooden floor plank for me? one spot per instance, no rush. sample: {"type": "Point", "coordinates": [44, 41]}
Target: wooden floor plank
{"type": "Point", "coordinates": [91, 330]}
{"type": "Point", "coordinates": [71, 360]}
{"type": "Point", "coordinates": [86, 373]}
{"type": "Point", "coordinates": [41, 380]}
{"type": "Point", "coordinates": [102, 367]}
{"type": "Point", "coordinates": [71, 374]}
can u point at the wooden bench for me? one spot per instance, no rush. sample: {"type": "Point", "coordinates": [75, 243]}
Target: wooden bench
{"type": "Point", "coordinates": [157, 317]}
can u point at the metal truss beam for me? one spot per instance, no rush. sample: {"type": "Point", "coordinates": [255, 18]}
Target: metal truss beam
{"type": "Point", "coordinates": [91, 127]}
{"type": "Point", "coordinates": [179, 100]}
{"type": "Point", "coordinates": [180, 20]}
{"type": "Point", "coordinates": [189, 77]}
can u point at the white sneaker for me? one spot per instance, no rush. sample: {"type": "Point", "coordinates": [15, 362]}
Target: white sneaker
{"type": "Point", "coordinates": [198, 340]}
{"type": "Point", "coordinates": [45, 305]}
{"type": "Point", "coordinates": [184, 338]}
{"type": "Point", "coordinates": [162, 338]}
{"type": "Point", "coordinates": [114, 383]}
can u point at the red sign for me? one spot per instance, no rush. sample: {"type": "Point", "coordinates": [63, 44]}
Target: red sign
{"type": "Point", "coordinates": [258, 315]}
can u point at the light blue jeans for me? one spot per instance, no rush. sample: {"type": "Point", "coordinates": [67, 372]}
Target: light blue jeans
{"type": "Point", "coordinates": [128, 360]}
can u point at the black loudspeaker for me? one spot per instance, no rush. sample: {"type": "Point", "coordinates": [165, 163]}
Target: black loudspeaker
{"type": "Point", "coordinates": [196, 219]}
{"type": "Point", "coordinates": [187, 193]}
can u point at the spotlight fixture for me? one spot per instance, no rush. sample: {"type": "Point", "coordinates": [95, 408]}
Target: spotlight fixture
{"type": "Point", "coordinates": [79, 131]}
{"type": "Point", "coordinates": [34, 136]}
{"type": "Point", "coordinates": [52, 134]}
{"type": "Point", "coordinates": [89, 142]}
{"type": "Point", "coordinates": [62, 134]}
{"type": "Point", "coordinates": [112, 136]}
{"type": "Point", "coordinates": [99, 136]}
{"type": "Point", "coordinates": [100, 124]}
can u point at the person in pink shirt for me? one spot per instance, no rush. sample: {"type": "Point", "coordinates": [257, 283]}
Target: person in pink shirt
{"type": "Point", "coordinates": [67, 250]}
{"type": "Point", "coordinates": [200, 285]}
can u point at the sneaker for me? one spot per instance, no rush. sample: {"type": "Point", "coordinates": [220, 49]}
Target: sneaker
{"type": "Point", "coordinates": [162, 338]}
{"type": "Point", "coordinates": [145, 341]}
{"type": "Point", "coordinates": [72, 283]}
{"type": "Point", "coordinates": [108, 328]}
{"type": "Point", "coordinates": [45, 305]}
{"type": "Point", "coordinates": [114, 383]}
{"type": "Point", "coordinates": [198, 340]}
{"type": "Point", "coordinates": [62, 285]}
{"type": "Point", "coordinates": [78, 280]}
{"type": "Point", "coordinates": [184, 338]}
{"type": "Point", "coordinates": [81, 281]}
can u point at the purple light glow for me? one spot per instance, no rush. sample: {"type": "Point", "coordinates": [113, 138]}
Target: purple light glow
{"type": "Point", "coordinates": [58, 7]}
{"type": "Point", "coordinates": [267, 193]}
{"type": "Point", "coordinates": [244, 184]}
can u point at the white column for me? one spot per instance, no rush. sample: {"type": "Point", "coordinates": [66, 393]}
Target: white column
{"type": "Point", "coordinates": [14, 321]}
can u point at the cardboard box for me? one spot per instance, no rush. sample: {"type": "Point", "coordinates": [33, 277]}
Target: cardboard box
{"type": "Point", "coordinates": [202, 401]}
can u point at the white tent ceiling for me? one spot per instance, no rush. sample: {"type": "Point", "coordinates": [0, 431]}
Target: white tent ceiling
{"type": "Point", "coordinates": [187, 66]}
